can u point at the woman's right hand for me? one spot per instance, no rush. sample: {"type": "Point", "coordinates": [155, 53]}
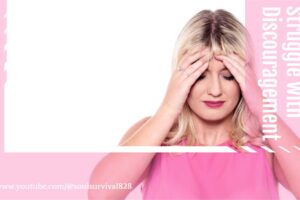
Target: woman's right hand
{"type": "Point", "coordinates": [190, 67]}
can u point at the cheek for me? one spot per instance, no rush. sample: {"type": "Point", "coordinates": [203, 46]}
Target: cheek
{"type": "Point", "coordinates": [197, 90]}
{"type": "Point", "coordinates": [232, 90]}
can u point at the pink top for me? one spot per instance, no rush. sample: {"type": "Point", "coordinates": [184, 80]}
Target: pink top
{"type": "Point", "coordinates": [239, 175]}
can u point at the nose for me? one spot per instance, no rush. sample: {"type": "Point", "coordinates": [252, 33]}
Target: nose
{"type": "Point", "coordinates": [214, 87]}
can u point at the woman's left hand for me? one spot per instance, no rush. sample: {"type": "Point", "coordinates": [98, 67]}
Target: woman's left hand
{"type": "Point", "coordinates": [246, 78]}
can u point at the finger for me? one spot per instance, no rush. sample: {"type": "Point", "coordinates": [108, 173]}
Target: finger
{"type": "Point", "coordinates": [190, 70]}
{"type": "Point", "coordinates": [237, 59]}
{"type": "Point", "coordinates": [240, 68]}
{"type": "Point", "coordinates": [231, 65]}
{"type": "Point", "coordinates": [195, 75]}
{"type": "Point", "coordinates": [193, 67]}
{"type": "Point", "coordinates": [249, 74]}
{"type": "Point", "coordinates": [239, 77]}
{"type": "Point", "coordinates": [190, 59]}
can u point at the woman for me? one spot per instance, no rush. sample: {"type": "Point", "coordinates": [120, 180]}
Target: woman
{"type": "Point", "coordinates": [207, 103]}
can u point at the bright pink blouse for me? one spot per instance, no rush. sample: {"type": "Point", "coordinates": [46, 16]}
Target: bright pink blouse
{"type": "Point", "coordinates": [241, 176]}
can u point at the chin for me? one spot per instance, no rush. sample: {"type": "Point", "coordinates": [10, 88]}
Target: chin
{"type": "Point", "coordinates": [213, 117]}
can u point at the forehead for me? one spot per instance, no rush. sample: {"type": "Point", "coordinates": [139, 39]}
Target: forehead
{"type": "Point", "coordinates": [216, 65]}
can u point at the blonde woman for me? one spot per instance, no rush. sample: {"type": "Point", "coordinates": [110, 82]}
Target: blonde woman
{"type": "Point", "coordinates": [206, 103]}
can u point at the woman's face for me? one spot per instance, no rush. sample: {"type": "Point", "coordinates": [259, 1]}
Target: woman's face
{"type": "Point", "coordinates": [215, 94]}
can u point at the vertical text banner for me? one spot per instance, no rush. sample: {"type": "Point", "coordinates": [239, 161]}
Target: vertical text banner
{"type": "Point", "coordinates": [274, 28]}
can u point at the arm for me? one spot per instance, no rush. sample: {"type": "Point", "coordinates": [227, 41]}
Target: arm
{"type": "Point", "coordinates": [160, 124]}
{"type": "Point", "coordinates": [133, 167]}
{"type": "Point", "coordinates": [155, 130]}
{"type": "Point", "coordinates": [287, 165]}
{"type": "Point", "coordinates": [130, 167]}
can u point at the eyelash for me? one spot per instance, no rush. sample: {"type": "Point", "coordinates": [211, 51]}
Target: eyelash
{"type": "Point", "coordinates": [200, 77]}
{"type": "Point", "coordinates": [229, 78]}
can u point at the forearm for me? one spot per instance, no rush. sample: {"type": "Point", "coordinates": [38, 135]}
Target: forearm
{"type": "Point", "coordinates": [131, 167]}
{"type": "Point", "coordinates": [155, 130]}
{"type": "Point", "coordinates": [288, 161]}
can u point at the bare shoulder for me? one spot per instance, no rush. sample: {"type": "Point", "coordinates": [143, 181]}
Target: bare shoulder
{"type": "Point", "coordinates": [133, 129]}
{"type": "Point", "coordinates": [130, 133]}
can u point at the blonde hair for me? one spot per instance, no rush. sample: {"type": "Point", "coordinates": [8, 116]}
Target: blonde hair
{"type": "Point", "coordinates": [222, 33]}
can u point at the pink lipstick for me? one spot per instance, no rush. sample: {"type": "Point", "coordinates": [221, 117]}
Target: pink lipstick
{"type": "Point", "coordinates": [214, 104]}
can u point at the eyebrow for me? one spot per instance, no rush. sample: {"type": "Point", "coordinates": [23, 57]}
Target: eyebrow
{"type": "Point", "coordinates": [224, 68]}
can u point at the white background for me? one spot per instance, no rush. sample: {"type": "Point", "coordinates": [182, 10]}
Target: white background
{"type": "Point", "coordinates": [81, 72]}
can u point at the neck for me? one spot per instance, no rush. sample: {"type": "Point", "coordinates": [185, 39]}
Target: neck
{"type": "Point", "coordinates": [213, 132]}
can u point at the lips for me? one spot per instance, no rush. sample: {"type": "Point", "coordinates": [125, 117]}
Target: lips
{"type": "Point", "coordinates": [214, 104]}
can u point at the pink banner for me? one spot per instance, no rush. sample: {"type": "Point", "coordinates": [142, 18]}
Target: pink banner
{"type": "Point", "coordinates": [274, 30]}
{"type": "Point", "coordinates": [275, 44]}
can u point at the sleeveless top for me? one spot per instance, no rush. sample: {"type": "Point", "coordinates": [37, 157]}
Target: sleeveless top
{"type": "Point", "coordinates": [240, 176]}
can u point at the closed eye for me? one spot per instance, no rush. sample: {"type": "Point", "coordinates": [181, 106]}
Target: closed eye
{"type": "Point", "coordinates": [229, 78]}
{"type": "Point", "coordinates": [226, 77]}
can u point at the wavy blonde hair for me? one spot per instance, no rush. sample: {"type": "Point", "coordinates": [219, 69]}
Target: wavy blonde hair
{"type": "Point", "coordinates": [222, 33]}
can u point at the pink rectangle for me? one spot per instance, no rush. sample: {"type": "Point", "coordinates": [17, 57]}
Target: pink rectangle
{"type": "Point", "coordinates": [274, 30]}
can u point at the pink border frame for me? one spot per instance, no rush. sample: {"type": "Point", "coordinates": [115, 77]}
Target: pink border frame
{"type": "Point", "coordinates": [43, 168]}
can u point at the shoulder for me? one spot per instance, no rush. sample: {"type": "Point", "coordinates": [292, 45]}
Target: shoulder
{"type": "Point", "coordinates": [134, 128]}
